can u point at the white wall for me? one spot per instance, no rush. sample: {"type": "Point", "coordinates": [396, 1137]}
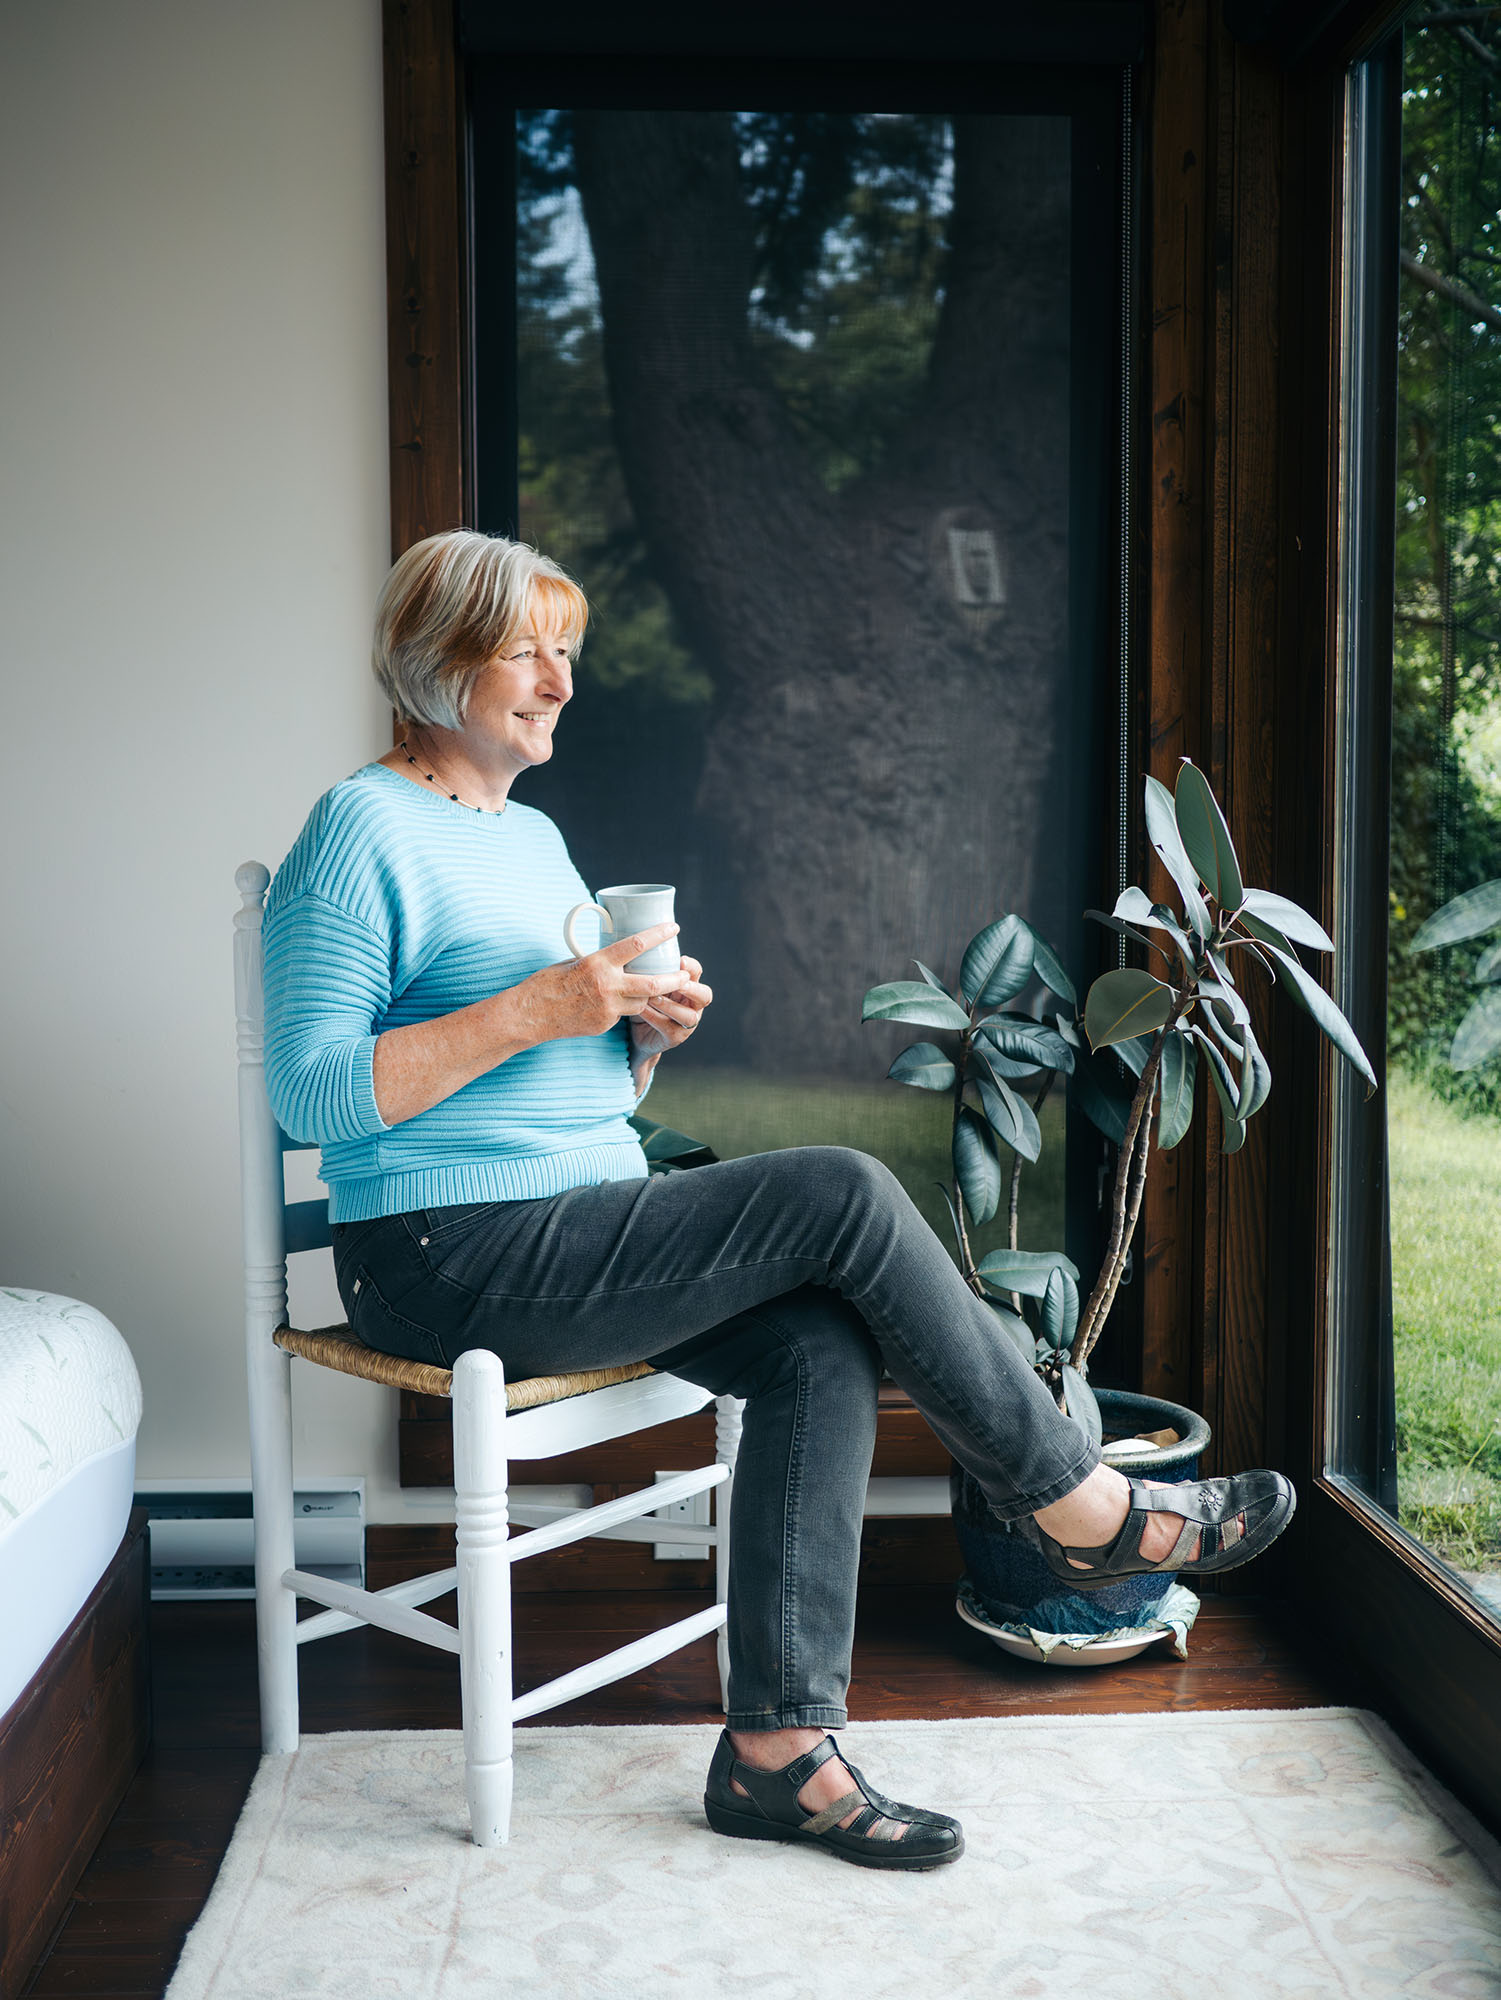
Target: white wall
{"type": "Point", "coordinates": [193, 529]}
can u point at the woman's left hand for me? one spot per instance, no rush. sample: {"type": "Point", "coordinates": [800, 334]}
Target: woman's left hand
{"type": "Point", "coordinates": [668, 1021]}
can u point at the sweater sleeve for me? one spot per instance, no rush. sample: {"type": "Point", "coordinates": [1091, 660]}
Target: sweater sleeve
{"type": "Point", "coordinates": [327, 983]}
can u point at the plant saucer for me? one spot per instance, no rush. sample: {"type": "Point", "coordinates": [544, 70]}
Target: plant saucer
{"type": "Point", "coordinates": [1100, 1652]}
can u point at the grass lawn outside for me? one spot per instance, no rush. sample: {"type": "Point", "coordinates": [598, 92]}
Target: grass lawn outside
{"type": "Point", "coordinates": [1446, 1297]}
{"type": "Point", "coordinates": [737, 1113]}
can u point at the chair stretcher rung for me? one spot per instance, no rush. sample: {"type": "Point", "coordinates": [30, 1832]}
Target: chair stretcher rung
{"type": "Point", "coordinates": [369, 1607]}
{"type": "Point", "coordinates": [415, 1590]}
{"type": "Point", "coordinates": [533, 1514]}
{"type": "Point", "coordinates": [615, 1666]}
{"type": "Point", "coordinates": [577, 1525]}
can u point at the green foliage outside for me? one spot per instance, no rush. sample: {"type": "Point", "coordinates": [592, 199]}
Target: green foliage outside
{"type": "Point", "coordinates": [1445, 1123]}
{"type": "Point", "coordinates": [1446, 1241]}
{"type": "Point", "coordinates": [1446, 710]}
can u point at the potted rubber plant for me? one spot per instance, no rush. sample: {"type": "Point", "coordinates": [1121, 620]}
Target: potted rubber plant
{"type": "Point", "coordinates": [1158, 1027]}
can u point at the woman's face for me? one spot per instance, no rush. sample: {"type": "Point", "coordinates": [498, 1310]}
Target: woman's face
{"type": "Point", "coordinates": [516, 701]}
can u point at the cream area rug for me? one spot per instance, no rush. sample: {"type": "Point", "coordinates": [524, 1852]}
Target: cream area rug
{"type": "Point", "coordinates": [1292, 1855]}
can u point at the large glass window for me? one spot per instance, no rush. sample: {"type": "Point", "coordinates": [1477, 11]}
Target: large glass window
{"type": "Point", "coordinates": [823, 407]}
{"type": "Point", "coordinates": [1433, 1448]}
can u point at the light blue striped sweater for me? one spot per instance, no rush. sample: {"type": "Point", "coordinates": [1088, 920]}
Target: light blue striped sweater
{"type": "Point", "coordinates": [396, 905]}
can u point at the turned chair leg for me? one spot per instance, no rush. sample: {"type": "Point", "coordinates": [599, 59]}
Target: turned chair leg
{"type": "Point", "coordinates": [271, 1502]}
{"type": "Point", "coordinates": [479, 1465]}
{"type": "Point", "coordinates": [727, 1415]}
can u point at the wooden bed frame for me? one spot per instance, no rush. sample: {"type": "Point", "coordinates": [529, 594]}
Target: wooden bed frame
{"type": "Point", "coordinates": [68, 1750]}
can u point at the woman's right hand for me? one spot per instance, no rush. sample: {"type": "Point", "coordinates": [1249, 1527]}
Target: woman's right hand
{"type": "Point", "coordinates": [587, 996]}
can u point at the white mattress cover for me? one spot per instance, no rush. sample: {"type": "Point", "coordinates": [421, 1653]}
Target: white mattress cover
{"type": "Point", "coordinates": [54, 1555]}
{"type": "Point", "coordinates": [68, 1391]}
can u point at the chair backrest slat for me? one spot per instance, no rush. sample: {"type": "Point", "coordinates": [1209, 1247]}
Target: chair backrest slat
{"type": "Point", "coordinates": [308, 1226]}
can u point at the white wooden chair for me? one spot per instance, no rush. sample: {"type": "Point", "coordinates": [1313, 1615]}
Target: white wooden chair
{"type": "Point", "coordinates": [493, 1422]}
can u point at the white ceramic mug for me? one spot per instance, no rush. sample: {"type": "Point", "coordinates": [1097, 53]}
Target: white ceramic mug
{"type": "Point", "coordinates": [631, 906]}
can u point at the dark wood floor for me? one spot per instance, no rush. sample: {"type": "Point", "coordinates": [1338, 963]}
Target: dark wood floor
{"type": "Point", "coordinates": [156, 1864]}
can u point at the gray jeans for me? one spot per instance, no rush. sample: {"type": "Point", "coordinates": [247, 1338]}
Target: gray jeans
{"type": "Point", "coordinates": [790, 1279]}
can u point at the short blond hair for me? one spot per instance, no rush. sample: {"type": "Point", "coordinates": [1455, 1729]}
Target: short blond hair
{"type": "Point", "coordinates": [450, 604]}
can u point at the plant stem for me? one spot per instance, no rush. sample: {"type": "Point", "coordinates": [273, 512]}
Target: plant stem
{"type": "Point", "coordinates": [1130, 1180]}
{"type": "Point", "coordinates": [967, 1256]}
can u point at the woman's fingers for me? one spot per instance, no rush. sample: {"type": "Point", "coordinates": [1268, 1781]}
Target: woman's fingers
{"type": "Point", "coordinates": [625, 949]}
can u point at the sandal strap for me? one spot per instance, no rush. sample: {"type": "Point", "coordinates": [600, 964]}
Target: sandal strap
{"type": "Point", "coordinates": [820, 1822]}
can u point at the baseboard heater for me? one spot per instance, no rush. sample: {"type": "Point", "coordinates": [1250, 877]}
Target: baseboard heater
{"type": "Point", "coordinates": [203, 1534]}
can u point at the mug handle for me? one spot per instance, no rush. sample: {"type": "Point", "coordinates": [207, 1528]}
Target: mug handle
{"type": "Point", "coordinates": [572, 918]}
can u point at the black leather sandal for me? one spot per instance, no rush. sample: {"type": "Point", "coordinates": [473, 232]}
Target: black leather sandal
{"type": "Point", "coordinates": [1210, 1508]}
{"type": "Point", "coordinates": [772, 1812]}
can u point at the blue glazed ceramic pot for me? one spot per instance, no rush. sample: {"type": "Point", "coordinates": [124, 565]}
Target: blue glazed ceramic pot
{"type": "Point", "coordinates": [1009, 1575]}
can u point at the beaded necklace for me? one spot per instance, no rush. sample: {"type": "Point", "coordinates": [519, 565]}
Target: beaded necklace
{"type": "Point", "coordinates": [495, 811]}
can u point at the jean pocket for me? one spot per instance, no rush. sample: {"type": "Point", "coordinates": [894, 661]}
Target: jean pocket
{"type": "Point", "coordinates": [389, 1332]}
{"type": "Point", "coordinates": [432, 1226]}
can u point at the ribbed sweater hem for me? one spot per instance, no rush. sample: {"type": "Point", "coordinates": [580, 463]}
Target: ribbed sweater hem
{"type": "Point", "coordinates": [530, 1178]}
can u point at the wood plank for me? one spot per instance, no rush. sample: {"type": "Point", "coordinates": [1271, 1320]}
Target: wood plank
{"type": "Point", "coordinates": [424, 270]}
{"type": "Point", "coordinates": [68, 1751]}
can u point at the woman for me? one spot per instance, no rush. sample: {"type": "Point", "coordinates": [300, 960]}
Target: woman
{"type": "Point", "coordinates": [469, 1086]}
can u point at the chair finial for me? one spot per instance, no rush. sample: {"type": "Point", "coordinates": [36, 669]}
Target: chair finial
{"type": "Point", "coordinates": [252, 879]}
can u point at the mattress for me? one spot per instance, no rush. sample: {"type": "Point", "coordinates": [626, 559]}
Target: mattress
{"type": "Point", "coordinates": [70, 1406]}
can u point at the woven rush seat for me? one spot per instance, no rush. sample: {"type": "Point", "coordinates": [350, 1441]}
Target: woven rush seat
{"type": "Point", "coordinates": [341, 1348]}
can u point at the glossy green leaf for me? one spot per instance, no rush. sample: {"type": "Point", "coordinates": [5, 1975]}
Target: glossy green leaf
{"type": "Point", "coordinates": [1488, 965]}
{"type": "Point", "coordinates": [1081, 1403]}
{"type": "Point", "coordinates": [1223, 995]}
{"type": "Point", "coordinates": [930, 978]}
{"type": "Point", "coordinates": [1309, 994]}
{"type": "Point", "coordinates": [1016, 1331]}
{"type": "Point", "coordinates": [1479, 1034]}
{"type": "Point", "coordinates": [1027, 1041]}
{"type": "Point", "coordinates": [997, 962]}
{"type": "Point", "coordinates": [1227, 1089]}
{"type": "Point", "coordinates": [1206, 838]}
{"type": "Point", "coordinates": [925, 1066]}
{"type": "Point", "coordinates": [985, 1060]}
{"type": "Point", "coordinates": [1266, 934]}
{"type": "Point", "coordinates": [1162, 831]}
{"type": "Point", "coordinates": [1105, 1108]}
{"type": "Point", "coordinates": [917, 1004]}
{"type": "Point", "coordinates": [1135, 907]}
{"type": "Point", "coordinates": [1255, 1078]}
{"type": "Point", "coordinates": [666, 1148]}
{"type": "Point", "coordinates": [1164, 919]}
{"type": "Point", "coordinates": [1135, 1052]}
{"type": "Point", "coordinates": [1287, 917]}
{"type": "Point", "coordinates": [1222, 1026]}
{"type": "Point", "coordinates": [1180, 1062]}
{"type": "Point", "coordinates": [1123, 929]}
{"type": "Point", "coordinates": [1025, 1271]}
{"type": "Point", "coordinates": [977, 1167]}
{"type": "Point", "coordinates": [1060, 1311]}
{"type": "Point", "coordinates": [1125, 1003]}
{"type": "Point", "coordinates": [1011, 1118]}
{"type": "Point", "coordinates": [1466, 916]}
{"type": "Point", "coordinates": [1049, 969]}
{"type": "Point", "coordinates": [1069, 1030]}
